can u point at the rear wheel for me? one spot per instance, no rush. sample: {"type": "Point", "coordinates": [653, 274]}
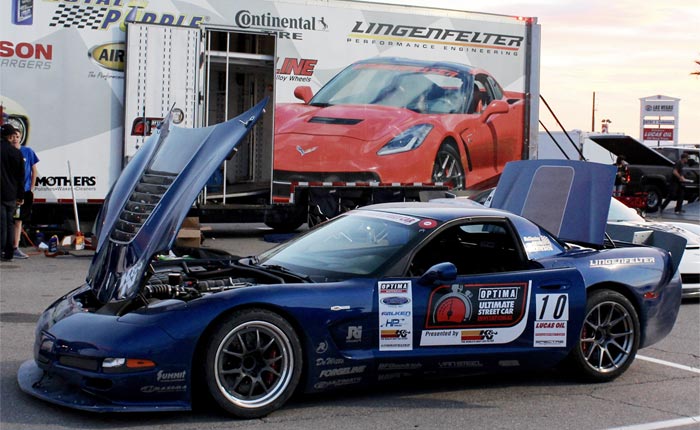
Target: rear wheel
{"type": "Point", "coordinates": [448, 167]}
{"type": "Point", "coordinates": [609, 338]}
{"type": "Point", "coordinates": [253, 363]}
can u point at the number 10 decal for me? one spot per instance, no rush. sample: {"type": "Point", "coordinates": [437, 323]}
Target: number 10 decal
{"type": "Point", "coordinates": [551, 321]}
{"type": "Point", "coordinates": [553, 307]}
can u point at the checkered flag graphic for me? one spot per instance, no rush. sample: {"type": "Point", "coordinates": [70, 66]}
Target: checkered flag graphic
{"type": "Point", "coordinates": [78, 16]}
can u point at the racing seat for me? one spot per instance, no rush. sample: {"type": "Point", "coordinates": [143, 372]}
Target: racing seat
{"type": "Point", "coordinates": [477, 101]}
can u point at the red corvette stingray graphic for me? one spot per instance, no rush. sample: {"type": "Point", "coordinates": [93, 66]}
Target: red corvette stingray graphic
{"type": "Point", "coordinates": [392, 120]}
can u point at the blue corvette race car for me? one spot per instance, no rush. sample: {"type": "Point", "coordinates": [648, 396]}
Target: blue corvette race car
{"type": "Point", "coordinates": [379, 293]}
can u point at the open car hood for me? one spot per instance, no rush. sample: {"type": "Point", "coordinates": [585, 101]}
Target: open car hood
{"type": "Point", "coordinates": [149, 201]}
{"type": "Point", "coordinates": [634, 151]}
{"type": "Point", "coordinates": [570, 199]}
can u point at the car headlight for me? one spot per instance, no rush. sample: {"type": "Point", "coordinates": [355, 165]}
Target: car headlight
{"type": "Point", "coordinates": [407, 140]}
{"type": "Point", "coordinates": [123, 364]}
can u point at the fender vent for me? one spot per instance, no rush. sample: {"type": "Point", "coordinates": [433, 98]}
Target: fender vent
{"type": "Point", "coordinates": [147, 193]}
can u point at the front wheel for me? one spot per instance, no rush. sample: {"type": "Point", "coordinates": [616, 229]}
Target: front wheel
{"type": "Point", "coordinates": [253, 363]}
{"type": "Point", "coordinates": [609, 338]}
{"type": "Point", "coordinates": [448, 167]}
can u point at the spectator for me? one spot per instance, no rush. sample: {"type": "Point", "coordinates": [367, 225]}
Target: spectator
{"type": "Point", "coordinates": [677, 191]}
{"type": "Point", "coordinates": [30, 174]}
{"type": "Point", "coordinates": [622, 178]}
{"type": "Point", "coordinates": [11, 189]}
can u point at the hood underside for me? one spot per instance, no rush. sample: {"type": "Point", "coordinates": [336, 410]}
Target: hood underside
{"type": "Point", "coordinates": [568, 198]}
{"type": "Point", "coordinates": [149, 201]}
{"type": "Point", "coordinates": [634, 151]}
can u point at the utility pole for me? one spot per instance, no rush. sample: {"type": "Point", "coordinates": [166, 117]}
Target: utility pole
{"type": "Point", "coordinates": [593, 114]}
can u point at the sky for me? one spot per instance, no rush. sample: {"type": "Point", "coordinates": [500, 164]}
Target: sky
{"type": "Point", "coordinates": [622, 50]}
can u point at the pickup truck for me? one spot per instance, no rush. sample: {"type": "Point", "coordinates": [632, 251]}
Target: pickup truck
{"type": "Point", "coordinates": [651, 169]}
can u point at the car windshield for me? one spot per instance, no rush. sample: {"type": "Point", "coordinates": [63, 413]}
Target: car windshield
{"type": "Point", "coordinates": [356, 245]}
{"type": "Point", "coordinates": [421, 89]}
{"type": "Point", "coordinates": [618, 212]}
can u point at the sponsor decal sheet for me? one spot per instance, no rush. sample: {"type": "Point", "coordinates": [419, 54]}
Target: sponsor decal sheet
{"type": "Point", "coordinates": [476, 314]}
{"type": "Point", "coordinates": [395, 315]}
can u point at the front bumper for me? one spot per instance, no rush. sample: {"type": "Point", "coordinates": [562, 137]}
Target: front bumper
{"type": "Point", "coordinates": [55, 389]}
{"type": "Point", "coordinates": [70, 350]}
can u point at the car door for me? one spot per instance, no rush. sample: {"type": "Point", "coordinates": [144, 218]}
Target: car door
{"type": "Point", "coordinates": [493, 131]}
{"type": "Point", "coordinates": [496, 309]}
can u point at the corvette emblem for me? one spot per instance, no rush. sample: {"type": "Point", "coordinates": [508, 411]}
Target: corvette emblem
{"type": "Point", "coordinates": [308, 151]}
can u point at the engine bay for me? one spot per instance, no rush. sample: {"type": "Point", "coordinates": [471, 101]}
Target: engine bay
{"type": "Point", "coordinates": [184, 276]}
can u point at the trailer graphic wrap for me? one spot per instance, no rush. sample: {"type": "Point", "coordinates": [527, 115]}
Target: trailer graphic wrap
{"type": "Point", "coordinates": [362, 139]}
{"type": "Point", "coordinates": [363, 93]}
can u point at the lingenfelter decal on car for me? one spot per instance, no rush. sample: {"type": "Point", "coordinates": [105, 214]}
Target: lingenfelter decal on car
{"type": "Point", "coordinates": [631, 261]}
{"type": "Point", "coordinates": [395, 316]}
{"type": "Point", "coordinates": [477, 313]}
{"type": "Point", "coordinates": [551, 320]}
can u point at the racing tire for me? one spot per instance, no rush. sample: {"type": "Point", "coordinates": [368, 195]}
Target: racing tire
{"type": "Point", "coordinates": [285, 218]}
{"type": "Point", "coordinates": [654, 198]}
{"type": "Point", "coordinates": [284, 226]}
{"type": "Point", "coordinates": [609, 338]}
{"type": "Point", "coordinates": [253, 363]}
{"type": "Point", "coordinates": [448, 167]}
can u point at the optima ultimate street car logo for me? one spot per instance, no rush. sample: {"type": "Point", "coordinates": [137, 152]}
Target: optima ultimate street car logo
{"type": "Point", "coordinates": [470, 314]}
{"type": "Point", "coordinates": [102, 15]}
{"type": "Point", "coordinates": [469, 306]}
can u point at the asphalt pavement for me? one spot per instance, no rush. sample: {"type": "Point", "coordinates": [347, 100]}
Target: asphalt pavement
{"type": "Point", "coordinates": [691, 213]}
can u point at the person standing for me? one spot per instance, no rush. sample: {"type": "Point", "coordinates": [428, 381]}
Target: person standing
{"type": "Point", "coordinates": [11, 189]}
{"type": "Point", "coordinates": [622, 177]}
{"type": "Point", "coordinates": [677, 190]}
{"type": "Point", "coordinates": [30, 174]}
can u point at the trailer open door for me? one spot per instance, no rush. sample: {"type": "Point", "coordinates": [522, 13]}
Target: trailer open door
{"type": "Point", "coordinates": [162, 64]}
{"type": "Point", "coordinates": [238, 71]}
{"type": "Point", "coordinates": [210, 74]}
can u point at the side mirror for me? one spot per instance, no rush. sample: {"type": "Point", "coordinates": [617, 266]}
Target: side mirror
{"type": "Point", "coordinates": [441, 272]}
{"type": "Point", "coordinates": [303, 93]}
{"type": "Point", "coordinates": [496, 106]}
